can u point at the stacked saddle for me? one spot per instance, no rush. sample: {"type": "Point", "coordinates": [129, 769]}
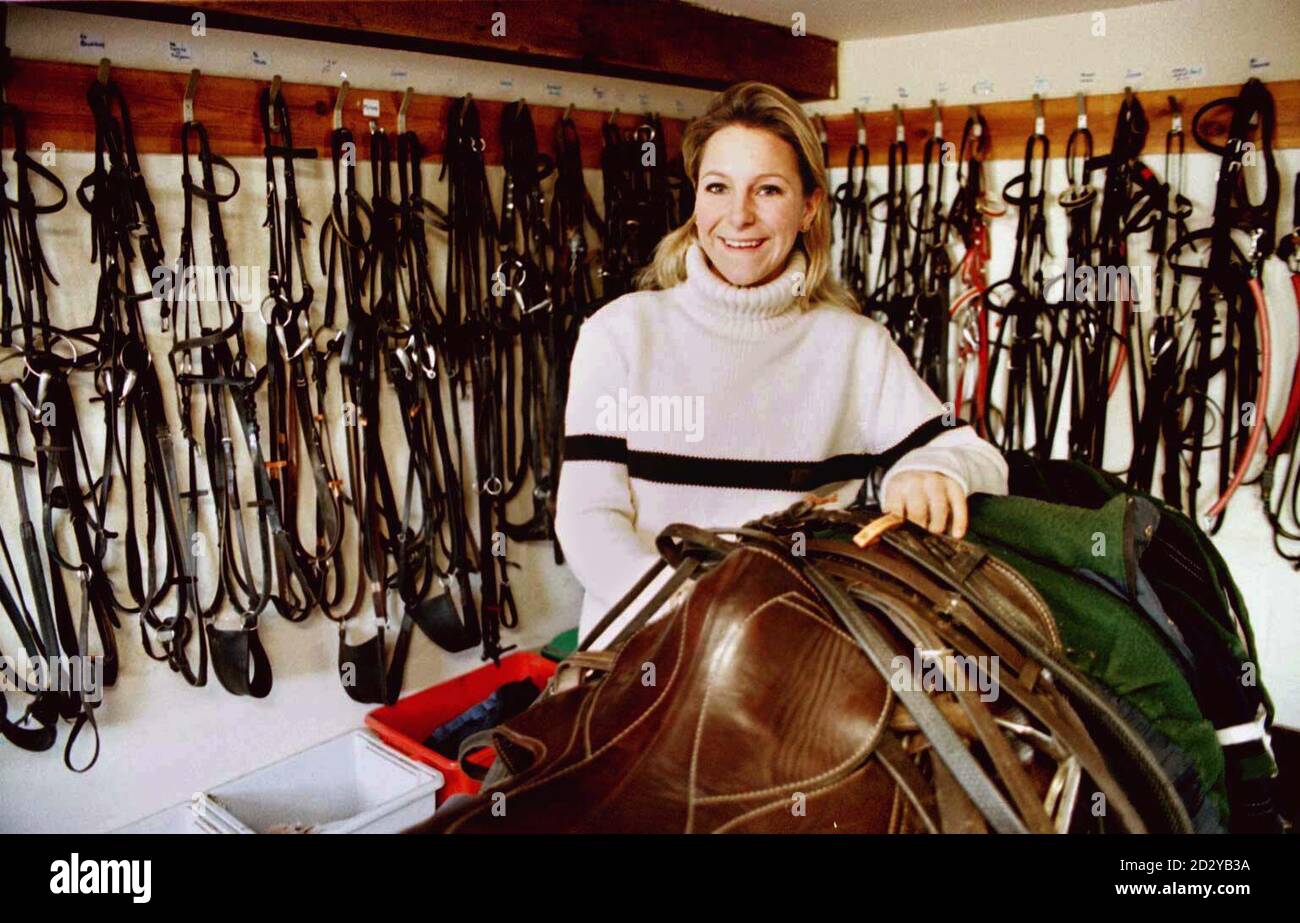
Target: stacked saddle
{"type": "Point", "coordinates": [828, 671]}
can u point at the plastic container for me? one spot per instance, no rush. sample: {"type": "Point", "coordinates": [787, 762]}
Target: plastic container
{"type": "Point", "coordinates": [408, 723]}
{"type": "Point", "coordinates": [181, 818]}
{"type": "Point", "coordinates": [351, 784]}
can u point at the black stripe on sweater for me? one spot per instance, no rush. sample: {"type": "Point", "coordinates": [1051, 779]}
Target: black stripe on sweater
{"type": "Point", "coordinates": [800, 476]}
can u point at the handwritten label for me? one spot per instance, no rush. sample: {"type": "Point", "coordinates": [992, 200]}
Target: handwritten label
{"type": "Point", "coordinates": [178, 52]}
{"type": "Point", "coordinates": [329, 65]}
{"type": "Point", "coordinates": [259, 60]}
{"type": "Point", "coordinates": [1041, 84]}
{"type": "Point", "coordinates": [1258, 63]}
{"type": "Point", "coordinates": [506, 83]}
{"type": "Point", "coordinates": [902, 93]}
{"type": "Point", "coordinates": [598, 92]}
{"type": "Point", "coordinates": [91, 40]}
{"type": "Point", "coordinates": [370, 108]}
{"type": "Point", "coordinates": [677, 105]}
{"type": "Point", "coordinates": [554, 89]}
{"type": "Point", "coordinates": [983, 88]}
{"type": "Point", "coordinates": [397, 72]}
{"type": "Point", "coordinates": [940, 89]}
{"type": "Point", "coordinates": [1133, 75]}
{"type": "Point", "coordinates": [864, 101]}
{"type": "Point", "coordinates": [643, 100]}
{"type": "Point", "coordinates": [1087, 77]}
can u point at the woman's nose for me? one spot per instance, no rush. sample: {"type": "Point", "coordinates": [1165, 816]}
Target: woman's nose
{"type": "Point", "coordinates": [741, 211]}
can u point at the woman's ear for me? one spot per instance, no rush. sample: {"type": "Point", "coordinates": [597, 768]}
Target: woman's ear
{"type": "Point", "coordinates": [811, 204]}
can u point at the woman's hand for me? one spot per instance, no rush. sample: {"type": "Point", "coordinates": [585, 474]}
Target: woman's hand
{"type": "Point", "coordinates": [929, 499]}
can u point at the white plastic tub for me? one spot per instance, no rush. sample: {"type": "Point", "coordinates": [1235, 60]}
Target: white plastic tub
{"type": "Point", "coordinates": [181, 818]}
{"type": "Point", "coordinates": [351, 784]}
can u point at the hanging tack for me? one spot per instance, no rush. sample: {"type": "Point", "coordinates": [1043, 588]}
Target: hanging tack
{"type": "Point", "coordinates": [1040, 123]}
{"type": "Point", "coordinates": [861, 120]}
{"type": "Point", "coordinates": [900, 134]}
{"type": "Point", "coordinates": [568, 113]}
{"type": "Point", "coordinates": [978, 130]}
{"type": "Point", "coordinates": [275, 95]}
{"type": "Point", "coordinates": [613, 115]}
{"type": "Point", "coordinates": [104, 66]}
{"type": "Point", "coordinates": [935, 119]}
{"type": "Point", "coordinates": [401, 112]}
{"type": "Point", "coordinates": [339, 103]}
{"type": "Point", "coordinates": [191, 89]}
{"type": "Point", "coordinates": [1083, 111]}
{"type": "Point", "coordinates": [1175, 115]}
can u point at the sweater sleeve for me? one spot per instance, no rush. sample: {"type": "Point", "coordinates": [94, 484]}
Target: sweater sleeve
{"type": "Point", "coordinates": [900, 404]}
{"type": "Point", "coordinates": [595, 517]}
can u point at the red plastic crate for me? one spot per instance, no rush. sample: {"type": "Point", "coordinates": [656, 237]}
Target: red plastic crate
{"type": "Point", "coordinates": [408, 723]}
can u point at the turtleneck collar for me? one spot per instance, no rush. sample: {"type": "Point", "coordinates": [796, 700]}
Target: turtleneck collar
{"type": "Point", "coordinates": [743, 310]}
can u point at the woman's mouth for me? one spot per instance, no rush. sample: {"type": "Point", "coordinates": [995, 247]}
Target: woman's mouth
{"type": "Point", "coordinates": [741, 245]}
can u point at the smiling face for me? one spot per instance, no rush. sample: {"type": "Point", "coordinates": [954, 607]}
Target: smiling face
{"type": "Point", "coordinates": [750, 204]}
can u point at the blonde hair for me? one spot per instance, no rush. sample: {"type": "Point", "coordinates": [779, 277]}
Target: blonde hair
{"type": "Point", "coordinates": [765, 107]}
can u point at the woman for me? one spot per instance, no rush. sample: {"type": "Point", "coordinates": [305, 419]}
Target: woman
{"type": "Point", "coordinates": [742, 376]}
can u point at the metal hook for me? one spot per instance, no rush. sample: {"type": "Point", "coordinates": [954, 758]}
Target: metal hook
{"type": "Point", "coordinates": [104, 66]}
{"type": "Point", "coordinates": [934, 117]}
{"type": "Point", "coordinates": [978, 129]}
{"type": "Point", "coordinates": [401, 112]}
{"type": "Point", "coordinates": [613, 115]}
{"type": "Point", "coordinates": [1039, 122]}
{"type": "Point", "coordinates": [1175, 116]}
{"type": "Point", "coordinates": [861, 120]}
{"type": "Point", "coordinates": [338, 104]}
{"type": "Point", "coordinates": [270, 102]}
{"type": "Point", "coordinates": [1082, 109]}
{"type": "Point", "coordinates": [568, 113]}
{"type": "Point", "coordinates": [900, 134]}
{"type": "Point", "coordinates": [191, 89]}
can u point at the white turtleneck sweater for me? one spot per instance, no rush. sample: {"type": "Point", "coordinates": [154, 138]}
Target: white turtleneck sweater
{"type": "Point", "coordinates": [714, 404]}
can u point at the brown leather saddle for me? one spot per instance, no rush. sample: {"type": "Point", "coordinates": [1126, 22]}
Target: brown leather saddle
{"type": "Point", "coordinates": [826, 671]}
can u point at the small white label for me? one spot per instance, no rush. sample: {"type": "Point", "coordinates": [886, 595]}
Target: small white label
{"type": "Point", "coordinates": [178, 52]}
{"type": "Point", "coordinates": [941, 89]}
{"type": "Point", "coordinates": [643, 100]}
{"type": "Point", "coordinates": [554, 89]}
{"type": "Point", "coordinates": [397, 72]}
{"type": "Point", "coordinates": [329, 65]}
{"type": "Point", "coordinates": [90, 40]}
{"type": "Point", "coordinates": [1041, 84]}
{"type": "Point", "coordinates": [1179, 74]}
{"type": "Point", "coordinates": [259, 60]}
{"type": "Point", "coordinates": [1258, 63]}
{"type": "Point", "coordinates": [1087, 77]}
{"type": "Point", "coordinates": [370, 108]}
{"type": "Point", "coordinates": [506, 83]}
{"type": "Point", "coordinates": [1133, 75]}
{"type": "Point", "coordinates": [983, 88]}
{"type": "Point", "coordinates": [902, 93]}
{"type": "Point", "coordinates": [864, 101]}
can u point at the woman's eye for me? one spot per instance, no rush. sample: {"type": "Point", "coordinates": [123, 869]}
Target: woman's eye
{"type": "Point", "coordinates": [714, 188]}
{"type": "Point", "coordinates": [769, 189]}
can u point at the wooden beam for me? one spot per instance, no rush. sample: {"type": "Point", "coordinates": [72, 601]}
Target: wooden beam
{"type": "Point", "coordinates": [1010, 123]}
{"type": "Point", "coordinates": [52, 96]}
{"type": "Point", "coordinates": [657, 40]}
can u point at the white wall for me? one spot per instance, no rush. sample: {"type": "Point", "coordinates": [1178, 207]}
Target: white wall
{"type": "Point", "coordinates": [161, 739]}
{"type": "Point", "coordinates": [1141, 46]}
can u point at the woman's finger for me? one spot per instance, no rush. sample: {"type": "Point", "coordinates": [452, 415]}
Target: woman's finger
{"type": "Point", "coordinates": [936, 503]}
{"type": "Point", "coordinates": [957, 503]}
{"type": "Point", "coordinates": [918, 505]}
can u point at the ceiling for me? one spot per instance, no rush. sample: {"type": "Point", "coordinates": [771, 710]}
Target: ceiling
{"type": "Point", "coordinates": [845, 20]}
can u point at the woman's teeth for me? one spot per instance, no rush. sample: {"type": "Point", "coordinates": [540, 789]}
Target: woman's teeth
{"type": "Point", "coordinates": [742, 244]}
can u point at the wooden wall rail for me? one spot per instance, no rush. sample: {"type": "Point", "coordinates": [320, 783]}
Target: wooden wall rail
{"type": "Point", "coordinates": [53, 98]}
{"type": "Point", "coordinates": [1010, 123]}
{"type": "Point", "coordinates": [665, 42]}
